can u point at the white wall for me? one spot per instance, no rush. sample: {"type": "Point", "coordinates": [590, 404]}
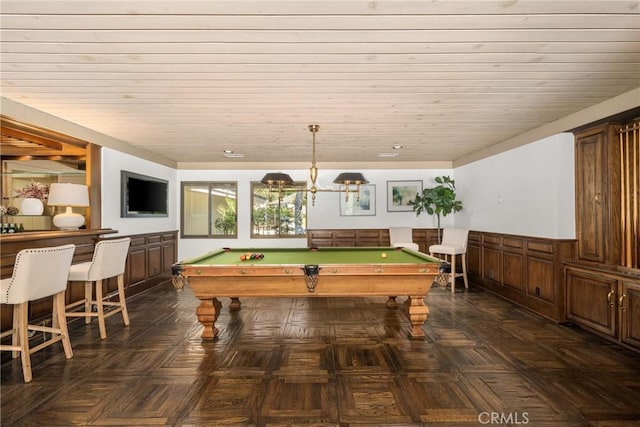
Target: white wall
{"type": "Point", "coordinates": [325, 213]}
{"type": "Point", "coordinates": [112, 163]}
{"type": "Point", "coordinates": [528, 191]}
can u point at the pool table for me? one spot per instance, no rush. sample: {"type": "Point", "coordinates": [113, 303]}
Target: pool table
{"type": "Point", "coordinates": [308, 272]}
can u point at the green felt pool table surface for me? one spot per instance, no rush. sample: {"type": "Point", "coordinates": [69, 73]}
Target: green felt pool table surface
{"type": "Point", "coordinates": [283, 256]}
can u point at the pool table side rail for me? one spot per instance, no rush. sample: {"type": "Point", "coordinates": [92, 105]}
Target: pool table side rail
{"type": "Point", "coordinates": [284, 270]}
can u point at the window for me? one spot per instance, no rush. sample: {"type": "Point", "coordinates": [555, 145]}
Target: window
{"type": "Point", "coordinates": [209, 209]}
{"type": "Point", "coordinates": [276, 214]}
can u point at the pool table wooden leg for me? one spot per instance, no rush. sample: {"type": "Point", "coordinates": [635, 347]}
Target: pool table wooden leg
{"type": "Point", "coordinates": [208, 312]}
{"type": "Point", "coordinates": [418, 312]}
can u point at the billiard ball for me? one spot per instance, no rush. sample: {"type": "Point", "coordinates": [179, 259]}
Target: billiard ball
{"type": "Point", "coordinates": [383, 254]}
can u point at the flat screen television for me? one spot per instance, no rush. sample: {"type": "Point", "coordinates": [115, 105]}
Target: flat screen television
{"type": "Point", "coordinates": [143, 196]}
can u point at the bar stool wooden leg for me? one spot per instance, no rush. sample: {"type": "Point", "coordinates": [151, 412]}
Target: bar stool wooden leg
{"type": "Point", "coordinates": [60, 323]}
{"type": "Point", "coordinates": [452, 277]}
{"type": "Point", "coordinates": [15, 336]}
{"type": "Point", "coordinates": [103, 328]}
{"type": "Point", "coordinates": [23, 339]}
{"type": "Point", "coordinates": [464, 270]}
{"type": "Point", "coordinates": [123, 300]}
{"type": "Point", "coordinates": [88, 294]}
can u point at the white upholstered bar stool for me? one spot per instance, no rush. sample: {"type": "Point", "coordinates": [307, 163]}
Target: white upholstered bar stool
{"type": "Point", "coordinates": [402, 237]}
{"type": "Point", "coordinates": [109, 259]}
{"type": "Point", "coordinates": [454, 242]}
{"type": "Point", "coordinates": [37, 273]}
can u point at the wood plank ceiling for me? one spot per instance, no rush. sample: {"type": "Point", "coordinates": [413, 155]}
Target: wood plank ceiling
{"type": "Point", "coordinates": [443, 79]}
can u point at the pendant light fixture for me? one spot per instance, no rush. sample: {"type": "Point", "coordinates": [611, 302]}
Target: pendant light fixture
{"type": "Point", "coordinates": [279, 182]}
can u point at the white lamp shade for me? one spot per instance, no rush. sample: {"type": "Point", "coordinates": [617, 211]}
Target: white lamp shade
{"type": "Point", "coordinates": [67, 194]}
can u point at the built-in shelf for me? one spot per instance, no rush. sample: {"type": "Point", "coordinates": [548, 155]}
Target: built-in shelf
{"type": "Point", "coordinates": [30, 222]}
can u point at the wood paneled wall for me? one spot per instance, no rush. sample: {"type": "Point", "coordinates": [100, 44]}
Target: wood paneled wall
{"type": "Point", "coordinates": [525, 270]}
{"type": "Point", "coordinates": [360, 237]}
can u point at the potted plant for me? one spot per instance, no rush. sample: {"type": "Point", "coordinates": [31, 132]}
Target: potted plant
{"type": "Point", "coordinates": [438, 200]}
{"type": "Point", "coordinates": [33, 194]}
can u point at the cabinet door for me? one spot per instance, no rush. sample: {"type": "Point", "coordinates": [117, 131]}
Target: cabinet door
{"type": "Point", "coordinates": [513, 270]}
{"type": "Point", "coordinates": [629, 306]}
{"type": "Point", "coordinates": [136, 265]}
{"type": "Point", "coordinates": [168, 255]}
{"type": "Point", "coordinates": [491, 264]}
{"type": "Point", "coordinates": [154, 260]}
{"type": "Point", "coordinates": [540, 278]}
{"type": "Point", "coordinates": [474, 259]}
{"type": "Point", "coordinates": [591, 300]}
{"type": "Point", "coordinates": [590, 194]}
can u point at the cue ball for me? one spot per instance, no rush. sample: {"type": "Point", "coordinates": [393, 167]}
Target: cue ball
{"type": "Point", "coordinates": [383, 254]}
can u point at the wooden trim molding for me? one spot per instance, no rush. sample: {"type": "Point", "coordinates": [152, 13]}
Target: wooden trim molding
{"type": "Point", "coordinates": [40, 141]}
{"type": "Point", "coordinates": [24, 141]}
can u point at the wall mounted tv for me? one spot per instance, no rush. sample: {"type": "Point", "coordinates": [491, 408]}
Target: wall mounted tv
{"type": "Point", "coordinates": [143, 196]}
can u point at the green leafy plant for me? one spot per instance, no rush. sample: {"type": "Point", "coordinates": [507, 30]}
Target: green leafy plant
{"type": "Point", "coordinates": [226, 222]}
{"type": "Point", "coordinates": [439, 200]}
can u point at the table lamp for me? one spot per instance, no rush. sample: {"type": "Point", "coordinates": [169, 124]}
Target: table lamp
{"type": "Point", "coordinates": [67, 194]}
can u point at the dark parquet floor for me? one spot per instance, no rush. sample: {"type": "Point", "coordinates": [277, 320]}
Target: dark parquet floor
{"type": "Point", "coordinates": [328, 362]}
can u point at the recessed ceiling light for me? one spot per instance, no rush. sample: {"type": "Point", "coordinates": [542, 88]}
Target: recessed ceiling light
{"type": "Point", "coordinates": [231, 155]}
{"type": "Point", "coordinates": [397, 147]}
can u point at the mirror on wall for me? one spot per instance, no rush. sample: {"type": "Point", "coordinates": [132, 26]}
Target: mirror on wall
{"type": "Point", "coordinates": [24, 191]}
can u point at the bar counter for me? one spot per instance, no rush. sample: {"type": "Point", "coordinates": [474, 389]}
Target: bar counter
{"type": "Point", "coordinates": [148, 263]}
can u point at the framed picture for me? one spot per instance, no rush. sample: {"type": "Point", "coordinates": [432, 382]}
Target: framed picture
{"type": "Point", "coordinates": [365, 205]}
{"type": "Point", "coordinates": [400, 193]}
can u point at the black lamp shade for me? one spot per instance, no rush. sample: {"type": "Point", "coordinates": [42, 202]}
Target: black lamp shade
{"type": "Point", "coordinates": [277, 178]}
{"type": "Point", "coordinates": [350, 178]}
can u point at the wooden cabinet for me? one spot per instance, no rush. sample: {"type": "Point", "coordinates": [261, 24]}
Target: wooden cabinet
{"type": "Point", "coordinates": [150, 258]}
{"type": "Point", "coordinates": [598, 195]}
{"type": "Point", "coordinates": [605, 301]}
{"type": "Point", "coordinates": [148, 262]}
{"type": "Point", "coordinates": [591, 300]}
{"type": "Point", "coordinates": [525, 270]}
{"type": "Point", "coordinates": [601, 295]}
